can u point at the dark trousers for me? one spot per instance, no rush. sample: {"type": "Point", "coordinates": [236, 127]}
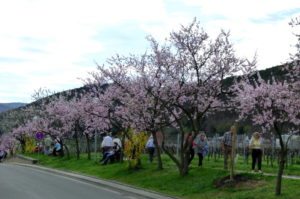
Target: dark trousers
{"type": "Point", "coordinates": [227, 153]}
{"type": "Point", "coordinates": [192, 154]}
{"type": "Point", "coordinates": [106, 157]}
{"type": "Point", "coordinates": [256, 156]}
{"type": "Point", "coordinates": [151, 151]}
{"type": "Point", "coordinates": [200, 159]}
{"type": "Point", "coordinates": [55, 152]}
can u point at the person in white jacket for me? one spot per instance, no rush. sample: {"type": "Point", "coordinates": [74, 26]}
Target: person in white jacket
{"type": "Point", "coordinates": [150, 148]}
{"type": "Point", "coordinates": [107, 143]}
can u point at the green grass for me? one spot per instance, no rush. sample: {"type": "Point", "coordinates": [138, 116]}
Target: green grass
{"type": "Point", "coordinates": [240, 165]}
{"type": "Point", "coordinates": [197, 184]}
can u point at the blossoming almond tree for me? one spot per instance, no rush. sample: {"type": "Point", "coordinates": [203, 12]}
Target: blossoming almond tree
{"type": "Point", "coordinates": [144, 113]}
{"type": "Point", "coordinates": [189, 71]}
{"type": "Point", "coordinates": [7, 143]}
{"type": "Point", "coordinates": [125, 105]}
{"type": "Point", "coordinates": [184, 75]}
{"type": "Point", "coordinates": [27, 129]}
{"type": "Point", "coordinates": [275, 107]}
{"type": "Point", "coordinates": [67, 118]}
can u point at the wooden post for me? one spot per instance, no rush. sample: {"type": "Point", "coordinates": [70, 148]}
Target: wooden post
{"type": "Point", "coordinates": [233, 148]}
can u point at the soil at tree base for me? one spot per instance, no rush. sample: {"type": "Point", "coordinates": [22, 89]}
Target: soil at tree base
{"type": "Point", "coordinates": [240, 181]}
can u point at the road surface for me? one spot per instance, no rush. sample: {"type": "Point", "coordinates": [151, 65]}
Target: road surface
{"type": "Point", "coordinates": [18, 182]}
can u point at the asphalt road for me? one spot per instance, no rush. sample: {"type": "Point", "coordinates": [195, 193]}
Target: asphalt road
{"type": "Point", "coordinates": [17, 182]}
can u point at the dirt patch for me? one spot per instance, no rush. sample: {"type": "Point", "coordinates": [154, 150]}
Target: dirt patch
{"type": "Point", "coordinates": [239, 182]}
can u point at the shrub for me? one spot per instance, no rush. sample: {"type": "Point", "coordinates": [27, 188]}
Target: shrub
{"type": "Point", "coordinates": [134, 147]}
{"type": "Point", "coordinates": [29, 145]}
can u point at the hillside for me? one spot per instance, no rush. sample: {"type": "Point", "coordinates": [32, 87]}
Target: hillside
{"type": "Point", "coordinates": [15, 114]}
{"type": "Point", "coordinates": [7, 106]}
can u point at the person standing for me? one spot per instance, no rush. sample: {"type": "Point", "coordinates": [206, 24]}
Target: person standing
{"type": "Point", "coordinates": [107, 143]}
{"type": "Point", "coordinates": [191, 144]}
{"type": "Point", "coordinates": [48, 143]}
{"type": "Point", "coordinates": [150, 148]}
{"type": "Point", "coordinates": [226, 145]}
{"type": "Point", "coordinates": [255, 145]}
{"type": "Point", "coordinates": [201, 147]}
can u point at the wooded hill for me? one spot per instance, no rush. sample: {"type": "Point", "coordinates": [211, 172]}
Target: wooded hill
{"type": "Point", "coordinates": [7, 106]}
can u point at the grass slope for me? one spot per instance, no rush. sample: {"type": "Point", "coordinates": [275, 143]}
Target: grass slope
{"type": "Point", "coordinates": [198, 184]}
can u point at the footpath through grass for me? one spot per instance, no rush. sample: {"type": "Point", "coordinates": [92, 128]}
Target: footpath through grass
{"type": "Point", "coordinates": [197, 184]}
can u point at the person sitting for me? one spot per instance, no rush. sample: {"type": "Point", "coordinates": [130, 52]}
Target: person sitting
{"type": "Point", "coordinates": [107, 156]}
{"type": "Point", "coordinates": [3, 155]}
{"type": "Point", "coordinates": [117, 149]}
{"type": "Point", "coordinates": [111, 154]}
{"type": "Point", "coordinates": [57, 148]}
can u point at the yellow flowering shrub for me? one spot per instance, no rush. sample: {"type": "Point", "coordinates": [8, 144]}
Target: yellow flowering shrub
{"type": "Point", "coordinates": [29, 145]}
{"type": "Point", "coordinates": [134, 147]}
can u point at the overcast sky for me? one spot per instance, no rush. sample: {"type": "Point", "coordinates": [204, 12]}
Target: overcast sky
{"type": "Point", "coordinates": [52, 44]}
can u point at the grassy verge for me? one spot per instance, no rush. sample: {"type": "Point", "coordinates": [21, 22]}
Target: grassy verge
{"type": "Point", "coordinates": [241, 165]}
{"type": "Point", "coordinates": [198, 184]}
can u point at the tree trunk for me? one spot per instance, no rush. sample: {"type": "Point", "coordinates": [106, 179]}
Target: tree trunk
{"type": "Point", "coordinates": [62, 147]}
{"type": "Point", "coordinates": [183, 166]}
{"type": "Point", "coordinates": [77, 145]}
{"type": "Point", "coordinates": [286, 161]}
{"type": "Point", "coordinates": [158, 152]}
{"type": "Point", "coordinates": [215, 156]}
{"type": "Point", "coordinates": [182, 170]}
{"type": "Point", "coordinates": [67, 150]}
{"type": "Point", "coordinates": [123, 147]}
{"type": "Point", "coordinates": [232, 157]}
{"type": "Point", "coordinates": [185, 163]}
{"type": "Point", "coordinates": [23, 143]}
{"type": "Point", "coordinates": [138, 164]}
{"type": "Point", "coordinates": [23, 148]}
{"type": "Point", "coordinates": [272, 160]}
{"type": "Point", "coordinates": [280, 172]}
{"type": "Point", "coordinates": [184, 155]}
{"type": "Point", "coordinates": [88, 146]}
{"type": "Point", "coordinates": [282, 157]}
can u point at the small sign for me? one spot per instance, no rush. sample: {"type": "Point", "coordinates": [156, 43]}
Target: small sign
{"type": "Point", "coordinates": [39, 135]}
